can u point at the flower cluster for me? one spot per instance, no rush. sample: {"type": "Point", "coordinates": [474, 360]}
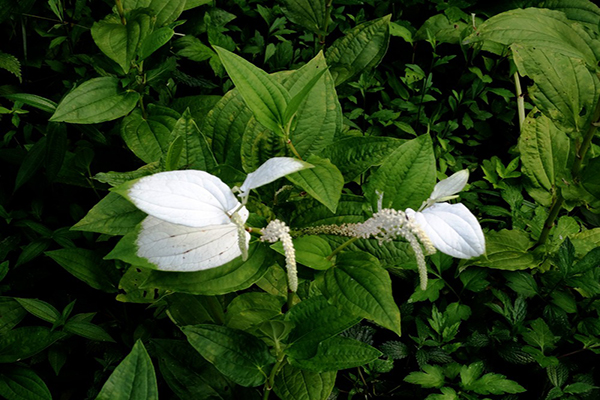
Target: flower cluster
{"type": "Point", "coordinates": [277, 230]}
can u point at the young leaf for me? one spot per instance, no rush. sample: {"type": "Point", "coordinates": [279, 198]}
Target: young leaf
{"type": "Point", "coordinates": [40, 309]}
{"type": "Point", "coordinates": [133, 379]}
{"type": "Point", "coordinates": [262, 93]}
{"type": "Point", "coordinates": [97, 100]}
{"type": "Point", "coordinates": [236, 354]}
{"type": "Point", "coordinates": [361, 286]}
{"type": "Point", "coordinates": [432, 377]}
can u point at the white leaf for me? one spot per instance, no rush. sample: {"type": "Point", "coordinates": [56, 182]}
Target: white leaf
{"type": "Point", "coordinates": [191, 198]}
{"type": "Point", "coordinates": [449, 186]}
{"type": "Point", "coordinates": [270, 171]}
{"type": "Point", "coordinates": [174, 247]}
{"type": "Point", "coordinates": [452, 229]}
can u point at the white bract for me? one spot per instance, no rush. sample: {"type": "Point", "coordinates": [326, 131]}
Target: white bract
{"type": "Point", "coordinates": [195, 221]}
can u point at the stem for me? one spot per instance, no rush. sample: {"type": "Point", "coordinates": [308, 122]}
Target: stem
{"type": "Point", "coordinates": [121, 11]}
{"type": "Point", "coordinates": [520, 101]}
{"type": "Point", "coordinates": [271, 379]}
{"type": "Point", "coordinates": [342, 247]}
{"type": "Point", "coordinates": [556, 206]}
{"type": "Point", "coordinates": [322, 37]}
{"type": "Point", "coordinates": [293, 149]}
{"type": "Point", "coordinates": [290, 299]}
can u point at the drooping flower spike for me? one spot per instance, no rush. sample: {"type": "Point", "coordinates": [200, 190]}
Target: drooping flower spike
{"type": "Point", "coordinates": [195, 221]}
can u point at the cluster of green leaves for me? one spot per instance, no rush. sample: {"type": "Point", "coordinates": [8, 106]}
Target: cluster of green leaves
{"type": "Point", "coordinates": [145, 86]}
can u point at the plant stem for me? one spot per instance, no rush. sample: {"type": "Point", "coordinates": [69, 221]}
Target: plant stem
{"type": "Point", "coordinates": [322, 37]}
{"type": "Point", "coordinates": [271, 379]}
{"type": "Point", "coordinates": [520, 101]}
{"type": "Point", "coordinates": [342, 247]}
{"type": "Point", "coordinates": [121, 11]}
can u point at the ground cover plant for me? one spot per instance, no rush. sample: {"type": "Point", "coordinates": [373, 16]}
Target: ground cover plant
{"type": "Point", "coordinates": [299, 199]}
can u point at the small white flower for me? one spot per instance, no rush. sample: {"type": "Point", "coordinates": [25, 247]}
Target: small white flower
{"type": "Point", "coordinates": [277, 230]}
{"type": "Point", "coordinates": [195, 221]}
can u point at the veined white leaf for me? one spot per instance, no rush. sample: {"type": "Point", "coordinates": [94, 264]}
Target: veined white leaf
{"type": "Point", "coordinates": [271, 170]}
{"type": "Point", "coordinates": [452, 229]}
{"type": "Point", "coordinates": [449, 186]}
{"type": "Point", "coordinates": [173, 247]}
{"type": "Point", "coordinates": [190, 198]}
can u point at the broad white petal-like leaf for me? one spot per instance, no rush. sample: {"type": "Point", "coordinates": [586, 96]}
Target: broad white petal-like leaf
{"type": "Point", "coordinates": [173, 247]}
{"type": "Point", "coordinates": [271, 170]}
{"type": "Point", "coordinates": [191, 198]}
{"type": "Point", "coordinates": [449, 186]}
{"type": "Point", "coordinates": [452, 229]}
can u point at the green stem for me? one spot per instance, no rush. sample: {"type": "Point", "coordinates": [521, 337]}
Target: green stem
{"type": "Point", "coordinates": [290, 299]}
{"type": "Point", "coordinates": [271, 379]}
{"type": "Point", "coordinates": [342, 247]}
{"type": "Point", "coordinates": [520, 101]}
{"type": "Point", "coordinates": [322, 37]}
{"type": "Point", "coordinates": [121, 11]}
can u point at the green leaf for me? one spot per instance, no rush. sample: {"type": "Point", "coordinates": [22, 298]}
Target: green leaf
{"type": "Point", "coordinates": [113, 215]}
{"type": "Point", "coordinates": [155, 41]}
{"type": "Point", "coordinates": [88, 331]}
{"type": "Point", "coordinates": [27, 341]}
{"type": "Point", "coordinates": [494, 384]}
{"type": "Point", "coordinates": [94, 101]}
{"type": "Point", "coordinates": [250, 309]}
{"type": "Point", "coordinates": [56, 149]}
{"type": "Point", "coordinates": [195, 153]}
{"type": "Point", "coordinates": [540, 335]}
{"type": "Point", "coordinates": [557, 374]}
{"type": "Point", "coordinates": [21, 383]}
{"type": "Point", "coordinates": [192, 48]}
{"type": "Point", "coordinates": [129, 287]}
{"type": "Point", "coordinates": [579, 388]}
{"type": "Point", "coordinates": [506, 249]}
{"type": "Point", "coordinates": [311, 251]}
{"type": "Point", "coordinates": [359, 285]}
{"type": "Point", "coordinates": [361, 48]}
{"type": "Point", "coordinates": [238, 355]}
{"type": "Point", "coordinates": [296, 384]}
{"type": "Point", "coordinates": [235, 275]}
{"type": "Point", "coordinates": [149, 137]}
{"type": "Point", "coordinates": [447, 394]}
{"type": "Point", "coordinates": [407, 176]}
{"type": "Point", "coordinates": [315, 320]}
{"type": "Point", "coordinates": [310, 14]}
{"type": "Point", "coordinates": [582, 11]}
{"type": "Point", "coordinates": [33, 100]}
{"type": "Point", "coordinates": [88, 267]}
{"type": "Point", "coordinates": [266, 97]}
{"type": "Point", "coordinates": [474, 279]}
{"type": "Point", "coordinates": [188, 374]}
{"type": "Point", "coordinates": [590, 179]}
{"type": "Point", "coordinates": [338, 353]}
{"type": "Point", "coordinates": [323, 182]}
{"type": "Point", "coordinates": [311, 78]}
{"type": "Point", "coordinates": [121, 42]}
{"type": "Point", "coordinates": [564, 89]}
{"type": "Point", "coordinates": [133, 379]}
{"type": "Point", "coordinates": [11, 64]}
{"type": "Point", "coordinates": [40, 309]}
{"type": "Point", "coordinates": [11, 314]}
{"type": "Point", "coordinates": [224, 127]}
{"type": "Point", "coordinates": [545, 153]}
{"type": "Point", "coordinates": [540, 28]}
{"type": "Point", "coordinates": [32, 162]}
{"type": "Point", "coordinates": [355, 155]}
{"type": "Point", "coordinates": [432, 377]}
{"type": "Point", "coordinates": [522, 283]}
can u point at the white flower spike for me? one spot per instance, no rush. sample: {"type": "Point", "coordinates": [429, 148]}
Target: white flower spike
{"type": "Point", "coordinates": [195, 221]}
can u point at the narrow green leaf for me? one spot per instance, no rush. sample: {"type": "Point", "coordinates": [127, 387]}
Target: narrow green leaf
{"type": "Point", "coordinates": [263, 94]}
{"type": "Point", "coordinates": [407, 176]}
{"type": "Point", "coordinates": [88, 331]}
{"type": "Point", "coordinates": [171, 159]}
{"type": "Point", "coordinates": [360, 286]}
{"type": "Point", "coordinates": [296, 384]}
{"type": "Point", "coordinates": [238, 355]}
{"type": "Point", "coordinates": [12, 313]}
{"type": "Point", "coordinates": [235, 275]}
{"type": "Point", "coordinates": [97, 100]}
{"type": "Point", "coordinates": [33, 100]}
{"type": "Point", "coordinates": [302, 95]}
{"type": "Point", "coordinates": [40, 309]}
{"type": "Point", "coordinates": [21, 383]}
{"type": "Point", "coordinates": [32, 162]}
{"type": "Point", "coordinates": [360, 49]}
{"type": "Point", "coordinates": [149, 137]}
{"type": "Point", "coordinates": [323, 182]}
{"type": "Point", "coordinates": [88, 267]}
{"type": "Point", "coordinates": [133, 379]}
{"type": "Point", "coordinates": [56, 149]}
{"type": "Point", "coordinates": [338, 353]}
{"type": "Point", "coordinates": [155, 41]}
{"type": "Point", "coordinates": [113, 215]}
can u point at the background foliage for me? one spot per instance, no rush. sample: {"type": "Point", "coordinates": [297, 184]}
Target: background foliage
{"type": "Point", "coordinates": [88, 103]}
